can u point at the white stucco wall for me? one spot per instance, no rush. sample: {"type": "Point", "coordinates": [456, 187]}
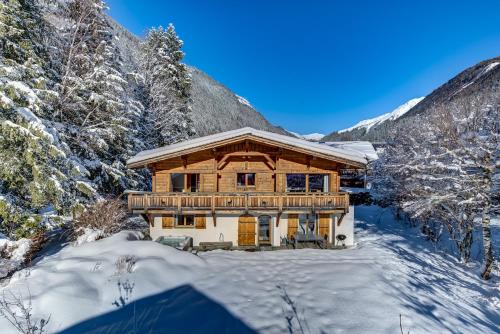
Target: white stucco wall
{"type": "Point", "coordinates": [346, 227]}
{"type": "Point", "coordinates": [227, 229]}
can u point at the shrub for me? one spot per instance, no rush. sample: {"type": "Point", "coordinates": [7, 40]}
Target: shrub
{"type": "Point", "coordinates": [108, 216]}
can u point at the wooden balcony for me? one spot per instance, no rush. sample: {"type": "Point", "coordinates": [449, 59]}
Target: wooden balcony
{"type": "Point", "coordinates": [176, 203]}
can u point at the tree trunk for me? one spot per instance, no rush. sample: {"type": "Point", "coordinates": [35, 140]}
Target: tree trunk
{"type": "Point", "coordinates": [488, 247]}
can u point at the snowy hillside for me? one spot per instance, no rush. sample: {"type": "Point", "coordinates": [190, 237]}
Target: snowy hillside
{"type": "Point", "coordinates": [215, 108]}
{"type": "Point", "coordinates": [312, 136]}
{"type": "Point", "coordinates": [121, 282]}
{"type": "Point", "coordinates": [393, 115]}
{"type": "Point", "coordinates": [477, 82]}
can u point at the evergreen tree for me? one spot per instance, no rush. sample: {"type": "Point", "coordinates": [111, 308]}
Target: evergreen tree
{"type": "Point", "coordinates": [168, 85]}
{"type": "Point", "coordinates": [96, 106]}
{"type": "Point", "coordinates": [34, 165]}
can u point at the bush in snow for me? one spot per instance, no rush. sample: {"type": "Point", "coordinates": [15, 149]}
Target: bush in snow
{"type": "Point", "coordinates": [18, 311]}
{"type": "Point", "coordinates": [101, 219]}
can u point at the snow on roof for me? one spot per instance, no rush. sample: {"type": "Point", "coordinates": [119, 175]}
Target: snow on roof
{"type": "Point", "coordinates": [148, 156]}
{"type": "Point", "coordinates": [363, 147]}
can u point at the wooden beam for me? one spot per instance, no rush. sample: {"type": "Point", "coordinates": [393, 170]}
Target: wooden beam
{"type": "Point", "coordinates": [340, 219]}
{"type": "Point", "coordinates": [184, 161]}
{"type": "Point", "coordinates": [266, 156]}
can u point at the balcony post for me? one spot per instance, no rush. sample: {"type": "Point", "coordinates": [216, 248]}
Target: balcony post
{"type": "Point", "coordinates": [246, 203]}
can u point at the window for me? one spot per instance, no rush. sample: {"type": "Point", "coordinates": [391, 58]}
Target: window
{"type": "Point", "coordinates": [194, 182]}
{"type": "Point", "coordinates": [265, 228]}
{"type": "Point", "coordinates": [318, 183]}
{"type": "Point", "coordinates": [306, 183]}
{"type": "Point", "coordinates": [177, 182]}
{"type": "Point", "coordinates": [185, 182]}
{"type": "Point", "coordinates": [307, 223]}
{"type": "Point", "coordinates": [185, 221]}
{"type": "Point", "coordinates": [296, 183]}
{"type": "Point", "coordinates": [245, 179]}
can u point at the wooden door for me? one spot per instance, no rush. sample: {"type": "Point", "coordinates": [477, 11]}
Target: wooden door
{"type": "Point", "coordinates": [293, 223]}
{"type": "Point", "coordinates": [246, 230]}
{"type": "Point", "coordinates": [324, 225]}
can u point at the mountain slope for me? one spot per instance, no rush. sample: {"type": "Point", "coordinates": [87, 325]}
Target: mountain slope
{"type": "Point", "coordinates": [215, 108]}
{"type": "Point", "coordinates": [480, 80]}
{"type": "Point", "coordinates": [393, 115]}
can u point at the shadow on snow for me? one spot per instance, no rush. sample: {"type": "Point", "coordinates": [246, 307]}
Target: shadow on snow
{"type": "Point", "coordinates": [180, 310]}
{"type": "Point", "coordinates": [430, 276]}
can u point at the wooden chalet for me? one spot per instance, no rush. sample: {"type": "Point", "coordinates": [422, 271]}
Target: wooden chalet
{"type": "Point", "coordinates": [248, 187]}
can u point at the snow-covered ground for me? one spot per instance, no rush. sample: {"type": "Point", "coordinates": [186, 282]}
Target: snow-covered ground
{"type": "Point", "coordinates": [124, 285]}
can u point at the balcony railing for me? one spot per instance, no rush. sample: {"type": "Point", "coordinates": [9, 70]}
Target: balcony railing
{"type": "Point", "coordinates": [147, 201]}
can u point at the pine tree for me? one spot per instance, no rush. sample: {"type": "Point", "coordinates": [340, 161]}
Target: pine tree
{"type": "Point", "coordinates": [168, 85]}
{"type": "Point", "coordinates": [96, 106]}
{"type": "Point", "coordinates": [33, 161]}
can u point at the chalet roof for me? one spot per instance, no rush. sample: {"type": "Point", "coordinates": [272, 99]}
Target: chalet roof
{"type": "Point", "coordinates": [364, 147]}
{"type": "Point", "coordinates": [335, 153]}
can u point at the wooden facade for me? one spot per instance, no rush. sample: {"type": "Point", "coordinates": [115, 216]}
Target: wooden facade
{"type": "Point", "coordinates": [240, 176]}
{"type": "Point", "coordinates": [245, 177]}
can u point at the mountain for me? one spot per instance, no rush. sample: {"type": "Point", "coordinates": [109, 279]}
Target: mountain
{"type": "Point", "coordinates": [391, 116]}
{"type": "Point", "coordinates": [312, 136]}
{"type": "Point", "coordinates": [370, 129]}
{"type": "Point", "coordinates": [215, 108]}
{"type": "Point", "coordinates": [482, 79]}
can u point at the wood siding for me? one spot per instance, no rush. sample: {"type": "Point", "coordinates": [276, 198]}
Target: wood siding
{"type": "Point", "coordinates": [218, 170]}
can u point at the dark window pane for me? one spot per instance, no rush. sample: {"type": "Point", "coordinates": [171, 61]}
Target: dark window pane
{"type": "Point", "coordinates": [189, 220]}
{"type": "Point", "coordinates": [296, 182]}
{"type": "Point", "coordinates": [195, 182]}
{"type": "Point", "coordinates": [318, 182]}
{"type": "Point", "coordinates": [177, 182]}
{"type": "Point", "coordinates": [250, 179]}
{"type": "Point", "coordinates": [185, 220]}
{"type": "Point", "coordinates": [240, 179]}
{"type": "Point", "coordinates": [264, 231]}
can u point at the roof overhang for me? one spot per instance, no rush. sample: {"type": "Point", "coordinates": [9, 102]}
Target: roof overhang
{"type": "Point", "coordinates": [348, 157]}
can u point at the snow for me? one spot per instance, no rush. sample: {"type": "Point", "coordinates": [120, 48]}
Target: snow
{"type": "Point", "coordinates": [27, 93]}
{"type": "Point", "coordinates": [485, 70]}
{"type": "Point", "coordinates": [161, 153]}
{"type": "Point", "coordinates": [393, 115]}
{"type": "Point", "coordinates": [244, 101]}
{"type": "Point", "coordinates": [364, 147]}
{"type": "Point", "coordinates": [89, 235]}
{"type": "Point", "coordinates": [16, 252]}
{"type": "Point", "coordinates": [35, 122]}
{"type": "Point", "coordinates": [312, 136]}
{"type": "Point", "coordinates": [364, 289]}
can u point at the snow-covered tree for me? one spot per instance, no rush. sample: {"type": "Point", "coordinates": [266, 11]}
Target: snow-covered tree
{"type": "Point", "coordinates": [442, 172]}
{"type": "Point", "coordinates": [168, 85]}
{"type": "Point", "coordinates": [34, 164]}
{"type": "Point", "coordinates": [99, 113]}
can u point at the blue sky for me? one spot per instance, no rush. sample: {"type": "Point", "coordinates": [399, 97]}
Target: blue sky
{"type": "Point", "coordinates": [319, 66]}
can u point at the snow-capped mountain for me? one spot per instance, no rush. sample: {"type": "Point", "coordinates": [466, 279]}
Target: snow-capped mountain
{"type": "Point", "coordinates": [395, 114]}
{"type": "Point", "coordinates": [476, 82]}
{"type": "Point", "coordinates": [312, 136]}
